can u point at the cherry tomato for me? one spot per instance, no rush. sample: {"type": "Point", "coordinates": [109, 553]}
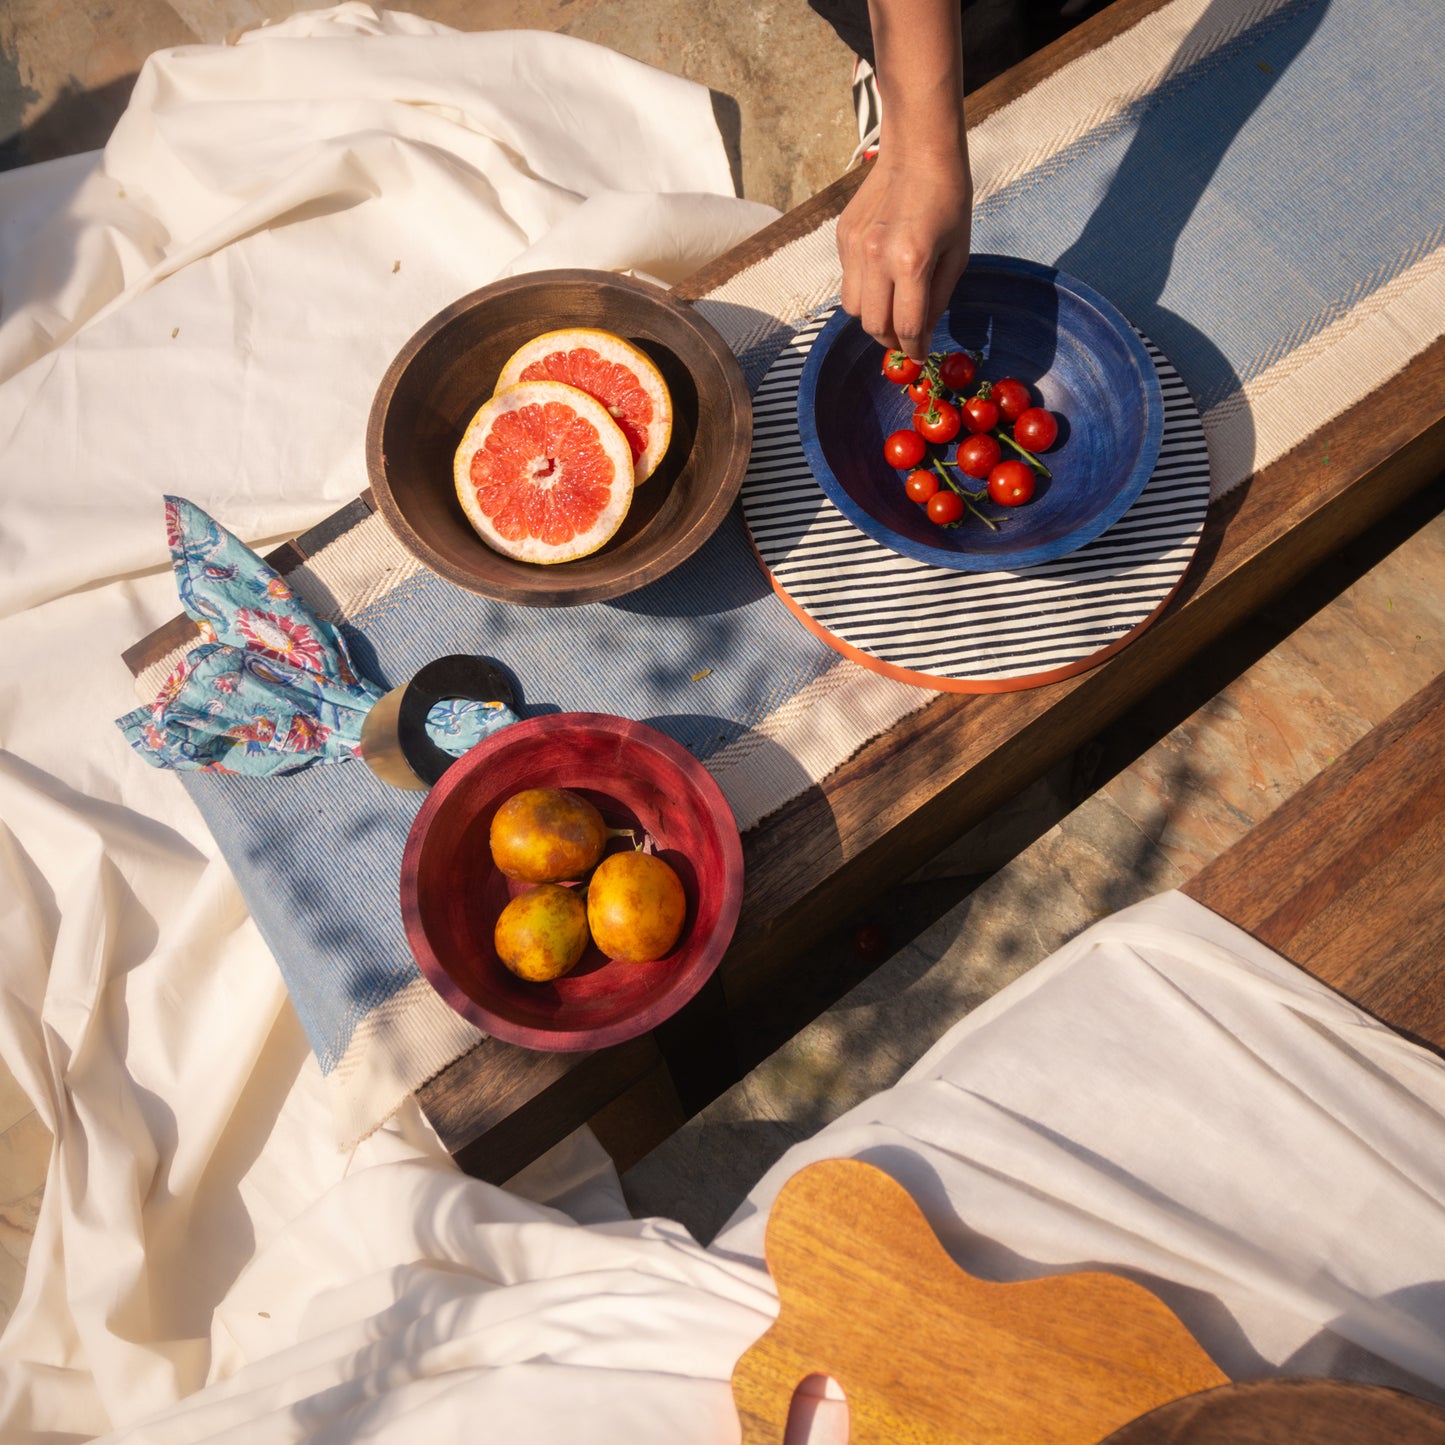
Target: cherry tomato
{"type": "Point", "coordinates": [903, 450]}
{"type": "Point", "coordinates": [956, 371]}
{"type": "Point", "coordinates": [1011, 484]}
{"type": "Point", "coordinates": [978, 455]}
{"type": "Point", "coordinates": [921, 485]}
{"type": "Point", "coordinates": [945, 507]}
{"type": "Point", "coordinates": [920, 391]}
{"type": "Point", "coordinates": [937, 423]}
{"type": "Point", "coordinates": [980, 414]}
{"type": "Point", "coordinates": [1036, 430]}
{"type": "Point", "coordinates": [1012, 397]}
{"type": "Point", "coordinates": [899, 367]}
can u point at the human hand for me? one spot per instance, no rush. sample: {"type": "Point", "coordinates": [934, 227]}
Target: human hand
{"type": "Point", "coordinates": [903, 241]}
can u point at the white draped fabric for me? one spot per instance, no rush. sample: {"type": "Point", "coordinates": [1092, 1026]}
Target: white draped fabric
{"type": "Point", "coordinates": [205, 308]}
{"type": "Point", "coordinates": [1162, 1097]}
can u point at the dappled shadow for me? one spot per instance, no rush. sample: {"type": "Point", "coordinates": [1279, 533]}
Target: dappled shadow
{"type": "Point", "coordinates": [79, 119]}
{"type": "Point", "coordinates": [723, 575]}
{"type": "Point", "coordinates": [318, 854]}
{"type": "Point", "coordinates": [1158, 187]}
{"type": "Point", "coordinates": [704, 1185]}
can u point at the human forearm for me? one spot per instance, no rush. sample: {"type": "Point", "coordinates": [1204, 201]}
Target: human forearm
{"type": "Point", "coordinates": [918, 46]}
{"type": "Point", "coordinates": [904, 238]}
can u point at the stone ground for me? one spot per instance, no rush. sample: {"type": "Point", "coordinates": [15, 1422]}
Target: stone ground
{"type": "Point", "coordinates": [778, 72]}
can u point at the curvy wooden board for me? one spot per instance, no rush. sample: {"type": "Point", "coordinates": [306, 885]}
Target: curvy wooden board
{"type": "Point", "coordinates": [927, 1354]}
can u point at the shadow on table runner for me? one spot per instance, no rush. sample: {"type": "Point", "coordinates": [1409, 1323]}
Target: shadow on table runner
{"type": "Point", "coordinates": [705, 655]}
{"type": "Point", "coordinates": [1269, 213]}
{"type": "Point", "coordinates": [1195, 207]}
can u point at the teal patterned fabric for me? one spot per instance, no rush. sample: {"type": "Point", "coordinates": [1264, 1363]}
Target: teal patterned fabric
{"type": "Point", "coordinates": [270, 687]}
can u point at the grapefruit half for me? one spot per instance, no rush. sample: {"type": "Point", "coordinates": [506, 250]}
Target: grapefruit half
{"type": "Point", "coordinates": [543, 473]}
{"type": "Point", "coordinates": [623, 378]}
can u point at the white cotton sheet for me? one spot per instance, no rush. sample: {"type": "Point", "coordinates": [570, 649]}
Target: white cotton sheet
{"type": "Point", "coordinates": [1163, 1097]}
{"type": "Point", "coordinates": [206, 308]}
{"type": "Point", "coordinates": [1167, 1097]}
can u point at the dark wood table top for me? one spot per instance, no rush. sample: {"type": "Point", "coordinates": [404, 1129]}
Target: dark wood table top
{"type": "Point", "coordinates": [911, 790]}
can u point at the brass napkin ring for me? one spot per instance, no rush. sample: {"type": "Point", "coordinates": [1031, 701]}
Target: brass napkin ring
{"type": "Point", "coordinates": [394, 741]}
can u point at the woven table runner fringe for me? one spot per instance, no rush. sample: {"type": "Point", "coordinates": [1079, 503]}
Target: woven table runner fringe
{"type": "Point", "coordinates": [1326, 375]}
{"type": "Point", "coordinates": [396, 1048]}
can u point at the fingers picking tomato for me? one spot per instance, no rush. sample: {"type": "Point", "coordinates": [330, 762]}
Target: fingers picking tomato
{"type": "Point", "coordinates": [945, 507]}
{"type": "Point", "coordinates": [900, 367]}
{"type": "Point", "coordinates": [903, 450]}
{"type": "Point", "coordinates": [920, 391]}
{"type": "Point", "coordinates": [938, 422]}
{"type": "Point", "coordinates": [920, 486]}
{"type": "Point", "coordinates": [978, 455]}
{"type": "Point", "coordinates": [1012, 397]}
{"type": "Point", "coordinates": [1011, 484]}
{"type": "Point", "coordinates": [957, 370]}
{"type": "Point", "coordinates": [1036, 430]}
{"type": "Point", "coordinates": [980, 414]}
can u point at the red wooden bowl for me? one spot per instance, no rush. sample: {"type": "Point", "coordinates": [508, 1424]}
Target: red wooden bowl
{"type": "Point", "coordinates": [451, 893]}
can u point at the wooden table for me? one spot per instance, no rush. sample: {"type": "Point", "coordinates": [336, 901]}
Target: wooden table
{"type": "Point", "coordinates": [1347, 878]}
{"type": "Point", "coordinates": [913, 789]}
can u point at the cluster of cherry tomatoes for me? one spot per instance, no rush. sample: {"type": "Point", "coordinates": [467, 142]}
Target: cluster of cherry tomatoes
{"type": "Point", "coordinates": [936, 388]}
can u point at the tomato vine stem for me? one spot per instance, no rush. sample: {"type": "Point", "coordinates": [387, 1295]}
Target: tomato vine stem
{"type": "Point", "coordinates": [968, 497]}
{"type": "Point", "coordinates": [1028, 456]}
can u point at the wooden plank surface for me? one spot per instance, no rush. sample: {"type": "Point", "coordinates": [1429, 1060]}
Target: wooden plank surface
{"type": "Point", "coordinates": [1347, 879]}
{"type": "Point", "coordinates": [907, 793]}
{"type": "Point", "coordinates": [904, 795]}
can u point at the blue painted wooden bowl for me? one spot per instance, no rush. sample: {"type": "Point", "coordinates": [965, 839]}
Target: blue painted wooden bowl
{"type": "Point", "coordinates": [1077, 354]}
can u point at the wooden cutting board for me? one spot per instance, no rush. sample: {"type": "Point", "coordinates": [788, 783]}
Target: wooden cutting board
{"type": "Point", "coordinates": [928, 1355]}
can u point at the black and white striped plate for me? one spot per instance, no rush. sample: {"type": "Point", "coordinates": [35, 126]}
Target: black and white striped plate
{"type": "Point", "coordinates": [969, 631]}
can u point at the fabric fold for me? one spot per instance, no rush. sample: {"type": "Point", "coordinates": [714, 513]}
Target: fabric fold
{"type": "Point", "coordinates": [270, 687]}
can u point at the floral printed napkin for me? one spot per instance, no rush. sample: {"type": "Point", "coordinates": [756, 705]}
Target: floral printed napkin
{"type": "Point", "coordinates": [270, 687]}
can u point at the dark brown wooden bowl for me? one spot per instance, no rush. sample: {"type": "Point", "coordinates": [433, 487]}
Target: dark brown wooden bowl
{"type": "Point", "coordinates": [1297, 1411]}
{"type": "Point", "coordinates": [450, 367]}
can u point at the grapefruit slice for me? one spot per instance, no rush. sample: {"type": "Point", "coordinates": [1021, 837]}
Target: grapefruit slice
{"type": "Point", "coordinates": [614, 371]}
{"type": "Point", "coordinates": [543, 473]}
